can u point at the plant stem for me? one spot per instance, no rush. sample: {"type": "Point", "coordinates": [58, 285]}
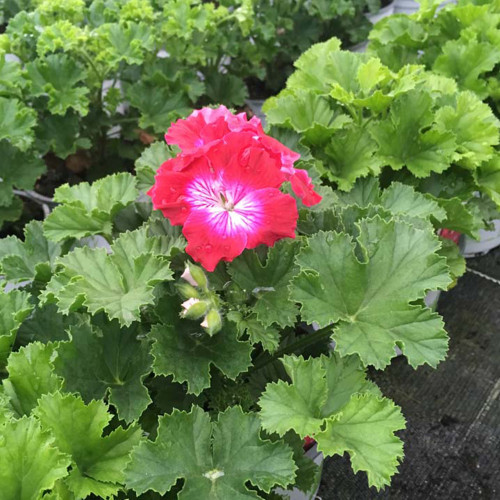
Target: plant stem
{"type": "Point", "coordinates": [301, 343]}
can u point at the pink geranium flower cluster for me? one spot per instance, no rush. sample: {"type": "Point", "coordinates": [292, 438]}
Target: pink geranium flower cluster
{"type": "Point", "coordinates": [224, 186]}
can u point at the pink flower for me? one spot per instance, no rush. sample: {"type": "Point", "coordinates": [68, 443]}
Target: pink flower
{"type": "Point", "coordinates": [207, 126]}
{"type": "Point", "coordinates": [227, 198]}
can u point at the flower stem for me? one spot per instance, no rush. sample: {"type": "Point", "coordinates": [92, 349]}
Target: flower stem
{"type": "Point", "coordinates": [301, 343]}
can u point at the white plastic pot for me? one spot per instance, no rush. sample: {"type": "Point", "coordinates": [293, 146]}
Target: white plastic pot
{"type": "Point", "coordinates": [295, 494]}
{"type": "Point", "coordinates": [383, 12]}
{"type": "Point", "coordinates": [487, 241]}
{"type": "Point", "coordinates": [406, 6]}
{"type": "Point", "coordinates": [411, 6]}
{"type": "Point", "coordinates": [431, 299]}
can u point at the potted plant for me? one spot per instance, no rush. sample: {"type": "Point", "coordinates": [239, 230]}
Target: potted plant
{"type": "Point", "coordinates": [131, 369]}
{"type": "Point", "coordinates": [467, 53]}
{"type": "Point", "coordinates": [353, 117]}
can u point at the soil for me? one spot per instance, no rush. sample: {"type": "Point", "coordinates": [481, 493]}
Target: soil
{"type": "Point", "coordinates": [452, 440]}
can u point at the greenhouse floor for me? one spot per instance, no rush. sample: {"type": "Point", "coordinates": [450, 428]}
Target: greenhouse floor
{"type": "Point", "coordinates": [452, 444]}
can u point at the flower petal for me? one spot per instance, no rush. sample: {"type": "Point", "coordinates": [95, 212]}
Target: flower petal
{"type": "Point", "coordinates": [304, 188]}
{"type": "Point", "coordinates": [278, 217]}
{"type": "Point", "coordinates": [210, 238]}
{"type": "Point", "coordinates": [240, 159]}
{"type": "Point", "coordinates": [167, 195]}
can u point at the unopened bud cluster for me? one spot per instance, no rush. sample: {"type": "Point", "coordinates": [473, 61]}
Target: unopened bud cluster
{"type": "Point", "coordinates": [200, 301]}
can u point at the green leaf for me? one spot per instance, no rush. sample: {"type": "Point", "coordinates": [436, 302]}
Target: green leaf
{"type": "Point", "coordinates": [61, 35]}
{"type": "Point", "coordinates": [58, 76]}
{"type": "Point", "coordinates": [297, 405]}
{"type": "Point", "coordinates": [149, 162]}
{"type": "Point", "coordinates": [216, 460]}
{"type": "Point", "coordinates": [158, 106]}
{"type": "Point", "coordinates": [109, 194]}
{"type": "Point", "coordinates": [371, 299]}
{"type": "Point", "coordinates": [118, 283]}
{"type": "Point", "coordinates": [128, 42]}
{"type": "Point", "coordinates": [365, 429]}
{"type": "Point", "coordinates": [97, 462]}
{"type": "Point", "coordinates": [459, 217]}
{"type": "Point", "coordinates": [17, 169]}
{"type": "Point", "coordinates": [474, 126]}
{"type": "Point", "coordinates": [466, 60]}
{"type": "Point", "coordinates": [31, 374]}
{"type": "Point", "coordinates": [268, 283]}
{"type": "Point", "coordinates": [89, 209]}
{"type": "Point", "coordinates": [11, 77]}
{"type": "Point", "coordinates": [226, 88]}
{"type": "Point", "coordinates": [404, 201]}
{"type": "Point", "coordinates": [351, 154]}
{"type": "Point", "coordinates": [30, 259]}
{"type": "Point", "coordinates": [488, 179]}
{"type": "Point", "coordinates": [29, 461]}
{"type": "Point", "coordinates": [45, 324]}
{"type": "Point", "coordinates": [107, 360]}
{"type": "Point", "coordinates": [306, 112]}
{"type": "Point", "coordinates": [182, 349]}
{"type": "Point", "coordinates": [269, 336]}
{"type": "Point", "coordinates": [451, 251]}
{"type": "Point", "coordinates": [61, 135]}
{"type": "Point", "coordinates": [399, 29]}
{"type": "Point", "coordinates": [406, 139]}
{"type": "Point", "coordinates": [15, 307]}
{"type": "Point", "coordinates": [323, 399]}
{"type": "Point", "coordinates": [11, 212]}
{"type": "Point", "coordinates": [319, 387]}
{"type": "Point", "coordinates": [314, 76]}
{"type": "Point", "coordinates": [16, 123]}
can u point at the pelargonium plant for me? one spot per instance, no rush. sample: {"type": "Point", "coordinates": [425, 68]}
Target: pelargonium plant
{"type": "Point", "coordinates": [85, 84]}
{"type": "Point", "coordinates": [461, 41]}
{"type": "Point", "coordinates": [129, 371]}
{"type": "Point", "coordinates": [352, 117]}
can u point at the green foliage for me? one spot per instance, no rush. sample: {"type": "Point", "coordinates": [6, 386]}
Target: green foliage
{"type": "Point", "coordinates": [118, 283]}
{"type": "Point", "coordinates": [371, 298]}
{"type": "Point", "coordinates": [330, 398]}
{"type": "Point", "coordinates": [26, 447]}
{"type": "Point", "coordinates": [357, 117]}
{"type": "Point", "coordinates": [106, 359]}
{"type": "Point", "coordinates": [97, 461]}
{"type": "Point", "coordinates": [109, 342]}
{"type": "Point", "coordinates": [31, 259]}
{"type": "Point", "coordinates": [15, 307]}
{"type": "Point", "coordinates": [183, 350]}
{"type": "Point", "coordinates": [89, 209]}
{"type": "Point", "coordinates": [215, 459]}
{"type": "Point", "coordinates": [99, 79]}
{"type": "Point", "coordinates": [31, 375]}
{"type": "Point", "coordinates": [460, 41]}
{"type": "Point", "coordinates": [268, 284]}
{"type": "Point", "coordinates": [121, 379]}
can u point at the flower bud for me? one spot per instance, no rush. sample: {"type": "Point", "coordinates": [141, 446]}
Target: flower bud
{"type": "Point", "coordinates": [186, 275]}
{"type": "Point", "coordinates": [212, 322]}
{"type": "Point", "coordinates": [194, 308]}
{"type": "Point", "coordinates": [188, 291]}
{"type": "Point", "coordinates": [198, 275]}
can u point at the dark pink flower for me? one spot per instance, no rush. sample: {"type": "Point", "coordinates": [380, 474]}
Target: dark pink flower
{"type": "Point", "coordinates": [207, 126]}
{"type": "Point", "coordinates": [227, 198]}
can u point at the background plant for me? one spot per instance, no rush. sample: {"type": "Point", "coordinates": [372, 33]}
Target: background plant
{"type": "Point", "coordinates": [460, 41]}
{"type": "Point", "coordinates": [111, 386]}
{"type": "Point", "coordinates": [354, 117]}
